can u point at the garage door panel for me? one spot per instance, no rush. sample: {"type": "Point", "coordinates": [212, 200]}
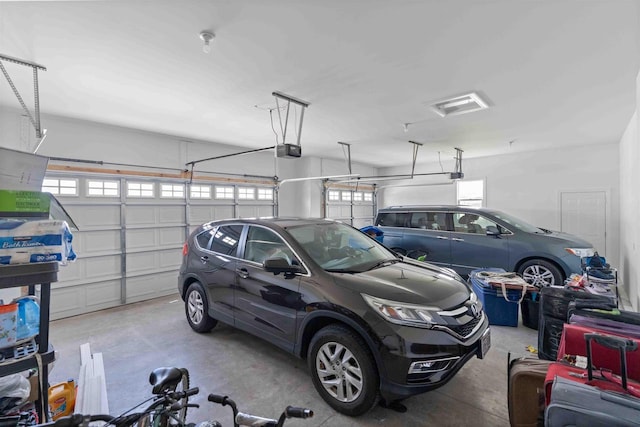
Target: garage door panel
{"type": "Point", "coordinates": [143, 238]}
{"type": "Point", "coordinates": [141, 215]}
{"type": "Point", "coordinates": [170, 258]}
{"type": "Point", "coordinates": [102, 266]}
{"type": "Point", "coordinates": [150, 286]}
{"type": "Point", "coordinates": [171, 236]}
{"type": "Point", "coordinates": [171, 215]}
{"type": "Point", "coordinates": [254, 211]}
{"type": "Point", "coordinates": [99, 294]}
{"type": "Point", "coordinates": [97, 216]}
{"type": "Point", "coordinates": [74, 300]}
{"type": "Point", "coordinates": [151, 261]}
{"type": "Point", "coordinates": [333, 211]}
{"type": "Point", "coordinates": [67, 299]}
{"type": "Point", "coordinates": [362, 211]}
{"type": "Point", "coordinates": [202, 214]}
{"type": "Point", "coordinates": [92, 242]}
{"type": "Point", "coordinates": [72, 271]}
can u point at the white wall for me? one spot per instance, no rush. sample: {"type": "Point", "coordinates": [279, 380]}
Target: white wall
{"type": "Point", "coordinates": [78, 139]}
{"type": "Point", "coordinates": [629, 208]}
{"type": "Point", "coordinates": [527, 185]}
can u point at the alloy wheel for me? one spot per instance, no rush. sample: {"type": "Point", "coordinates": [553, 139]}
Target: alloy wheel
{"type": "Point", "coordinates": [339, 372]}
{"type": "Point", "coordinates": [538, 275]}
{"type": "Point", "coordinates": [195, 307]}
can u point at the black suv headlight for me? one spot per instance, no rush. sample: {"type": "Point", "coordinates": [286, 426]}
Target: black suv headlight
{"type": "Point", "coordinates": [402, 313]}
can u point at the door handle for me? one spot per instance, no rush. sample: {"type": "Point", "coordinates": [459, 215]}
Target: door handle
{"type": "Point", "coordinates": [442, 238]}
{"type": "Point", "coordinates": [204, 259]}
{"type": "Point", "coordinates": [242, 272]}
{"type": "Point", "coordinates": [455, 239]}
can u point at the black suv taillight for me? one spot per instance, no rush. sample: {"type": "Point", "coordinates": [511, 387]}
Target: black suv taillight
{"type": "Point", "coordinates": [185, 249]}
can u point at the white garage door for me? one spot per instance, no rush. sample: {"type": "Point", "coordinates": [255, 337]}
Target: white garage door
{"type": "Point", "coordinates": [131, 234]}
{"type": "Point", "coordinates": [356, 208]}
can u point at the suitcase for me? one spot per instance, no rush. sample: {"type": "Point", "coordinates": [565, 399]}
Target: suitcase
{"type": "Point", "coordinates": [572, 343]}
{"type": "Point", "coordinates": [525, 391]}
{"type": "Point", "coordinates": [580, 405]}
{"type": "Point", "coordinates": [602, 379]}
{"type": "Point", "coordinates": [549, 334]}
{"type": "Point", "coordinates": [554, 309]}
{"type": "Point", "coordinates": [603, 312]}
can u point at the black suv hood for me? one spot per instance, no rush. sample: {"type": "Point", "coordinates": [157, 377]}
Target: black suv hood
{"type": "Point", "coordinates": [409, 283]}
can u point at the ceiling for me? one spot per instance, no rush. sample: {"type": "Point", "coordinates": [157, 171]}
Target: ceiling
{"type": "Point", "coordinates": [556, 73]}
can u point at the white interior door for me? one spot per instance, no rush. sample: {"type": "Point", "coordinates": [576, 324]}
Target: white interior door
{"type": "Point", "coordinates": [583, 213]}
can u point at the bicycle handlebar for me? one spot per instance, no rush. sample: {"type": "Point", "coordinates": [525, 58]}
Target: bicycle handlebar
{"type": "Point", "coordinates": [295, 412]}
{"type": "Point", "coordinates": [243, 419]}
{"type": "Point", "coordinates": [75, 420]}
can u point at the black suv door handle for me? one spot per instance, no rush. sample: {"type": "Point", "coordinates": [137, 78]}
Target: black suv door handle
{"type": "Point", "coordinates": [242, 272]}
{"type": "Point", "coordinates": [204, 259]}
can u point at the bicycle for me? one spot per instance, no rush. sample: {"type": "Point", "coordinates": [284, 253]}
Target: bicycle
{"type": "Point", "coordinates": [244, 419]}
{"type": "Point", "coordinates": [167, 409]}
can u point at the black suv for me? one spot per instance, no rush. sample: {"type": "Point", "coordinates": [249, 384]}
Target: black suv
{"type": "Point", "coordinates": [368, 321]}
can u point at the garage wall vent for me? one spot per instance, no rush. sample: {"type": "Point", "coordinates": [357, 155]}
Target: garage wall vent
{"type": "Point", "coordinates": [461, 104]}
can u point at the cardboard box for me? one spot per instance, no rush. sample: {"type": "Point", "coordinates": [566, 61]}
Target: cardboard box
{"type": "Point", "coordinates": [33, 381]}
{"type": "Point", "coordinates": [24, 204]}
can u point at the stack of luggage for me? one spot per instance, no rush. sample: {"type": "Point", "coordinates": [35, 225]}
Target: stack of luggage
{"type": "Point", "coordinates": [588, 371]}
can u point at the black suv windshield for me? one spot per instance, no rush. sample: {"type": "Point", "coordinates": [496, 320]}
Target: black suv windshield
{"type": "Point", "coordinates": [340, 248]}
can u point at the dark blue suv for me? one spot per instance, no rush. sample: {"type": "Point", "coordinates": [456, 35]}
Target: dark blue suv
{"type": "Point", "coordinates": [465, 238]}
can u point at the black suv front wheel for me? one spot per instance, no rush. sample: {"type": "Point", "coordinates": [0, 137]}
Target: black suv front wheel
{"type": "Point", "coordinates": [343, 370]}
{"type": "Point", "coordinates": [196, 308]}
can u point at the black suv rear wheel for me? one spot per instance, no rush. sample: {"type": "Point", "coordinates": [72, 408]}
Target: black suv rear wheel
{"type": "Point", "coordinates": [196, 308]}
{"type": "Point", "coordinates": [342, 370]}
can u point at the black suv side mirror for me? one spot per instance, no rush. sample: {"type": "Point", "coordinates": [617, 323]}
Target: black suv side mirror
{"type": "Point", "coordinates": [281, 265]}
{"type": "Point", "coordinates": [492, 230]}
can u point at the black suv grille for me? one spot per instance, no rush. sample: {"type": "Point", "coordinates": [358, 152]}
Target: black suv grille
{"type": "Point", "coordinates": [465, 330]}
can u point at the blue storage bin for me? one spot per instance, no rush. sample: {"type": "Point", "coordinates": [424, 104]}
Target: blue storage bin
{"type": "Point", "coordinates": [499, 311]}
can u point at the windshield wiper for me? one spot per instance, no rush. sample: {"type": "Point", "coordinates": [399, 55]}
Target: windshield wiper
{"type": "Point", "coordinates": [384, 262]}
{"type": "Point", "coordinates": [342, 270]}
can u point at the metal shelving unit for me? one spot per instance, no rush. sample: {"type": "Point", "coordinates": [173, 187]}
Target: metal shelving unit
{"type": "Point", "coordinates": [31, 275]}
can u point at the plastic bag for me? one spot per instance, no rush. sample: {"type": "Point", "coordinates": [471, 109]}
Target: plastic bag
{"type": "Point", "coordinates": [14, 390]}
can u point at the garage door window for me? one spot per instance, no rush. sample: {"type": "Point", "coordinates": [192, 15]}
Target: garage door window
{"type": "Point", "coordinates": [60, 187]}
{"type": "Point", "coordinates": [368, 197]}
{"type": "Point", "coordinates": [103, 188]}
{"type": "Point", "coordinates": [172, 191]}
{"type": "Point", "coordinates": [200, 192]}
{"type": "Point", "coordinates": [140, 189]}
{"type": "Point", "coordinates": [246, 193]}
{"type": "Point", "coordinates": [224, 192]}
{"type": "Point", "coordinates": [334, 195]}
{"type": "Point", "coordinates": [265, 194]}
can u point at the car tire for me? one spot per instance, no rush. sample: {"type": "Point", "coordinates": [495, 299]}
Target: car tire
{"type": "Point", "coordinates": [196, 307]}
{"type": "Point", "coordinates": [338, 353]}
{"type": "Point", "coordinates": [541, 272]}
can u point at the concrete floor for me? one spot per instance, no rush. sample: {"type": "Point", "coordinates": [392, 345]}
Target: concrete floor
{"type": "Point", "coordinates": [262, 379]}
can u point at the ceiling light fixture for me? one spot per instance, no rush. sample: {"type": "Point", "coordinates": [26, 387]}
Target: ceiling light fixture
{"type": "Point", "coordinates": [461, 104]}
{"type": "Point", "coordinates": [206, 37]}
